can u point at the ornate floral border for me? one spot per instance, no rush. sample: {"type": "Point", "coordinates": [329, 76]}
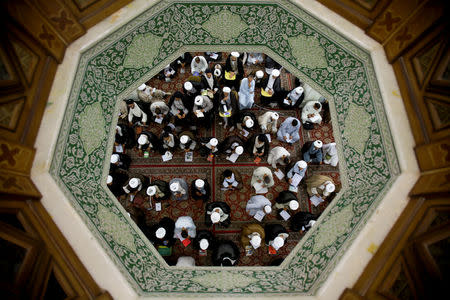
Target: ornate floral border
{"type": "Point", "coordinates": [311, 50]}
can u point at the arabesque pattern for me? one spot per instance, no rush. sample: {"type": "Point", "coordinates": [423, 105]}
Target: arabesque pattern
{"type": "Point", "coordinates": [111, 68]}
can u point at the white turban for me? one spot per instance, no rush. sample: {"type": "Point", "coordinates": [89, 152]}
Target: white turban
{"type": "Point", "coordinates": [114, 158]}
{"type": "Point", "coordinates": [239, 150]}
{"type": "Point", "coordinates": [217, 72]}
{"type": "Point", "coordinates": [184, 139]}
{"type": "Point", "coordinates": [275, 73]}
{"type": "Point", "coordinates": [267, 209]}
{"type": "Point", "coordinates": [249, 123]}
{"type": "Point", "coordinates": [198, 100]}
{"type": "Point", "coordinates": [109, 179]}
{"type": "Point", "coordinates": [330, 187]}
{"type": "Point", "coordinates": [134, 182]}
{"type": "Point", "coordinates": [259, 74]}
{"type": "Point", "coordinates": [302, 164]}
{"type": "Point", "coordinates": [318, 144]}
{"type": "Point", "coordinates": [235, 54]}
{"type": "Point", "coordinates": [299, 90]}
{"type": "Point", "coordinates": [213, 142]}
{"type": "Point", "coordinates": [160, 233]}
{"type": "Point", "coordinates": [151, 190]}
{"type": "Point", "coordinates": [143, 139]}
{"type": "Point", "coordinates": [215, 217]}
{"type": "Point", "coordinates": [200, 183]}
{"type": "Point", "coordinates": [188, 86]}
{"type": "Point", "coordinates": [204, 244]}
{"type": "Point", "coordinates": [175, 186]}
{"type": "Point", "coordinates": [255, 241]}
{"type": "Point", "coordinates": [226, 89]}
{"type": "Point", "coordinates": [293, 204]}
{"type": "Point", "coordinates": [275, 115]}
{"type": "Point", "coordinates": [142, 87]}
{"type": "Point", "coordinates": [278, 242]}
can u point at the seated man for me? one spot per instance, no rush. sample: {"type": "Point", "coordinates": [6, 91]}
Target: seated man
{"type": "Point", "coordinates": [125, 137]}
{"type": "Point", "coordinates": [258, 204]}
{"type": "Point", "coordinates": [313, 153]}
{"type": "Point", "coordinates": [204, 240]}
{"type": "Point", "coordinates": [276, 235]}
{"type": "Point", "coordinates": [134, 185]}
{"type": "Point", "coordinates": [231, 180]}
{"type": "Point", "coordinates": [187, 141]}
{"type": "Point", "coordinates": [185, 261]}
{"type": "Point", "coordinates": [200, 190]}
{"type": "Point", "coordinates": [293, 99]}
{"type": "Point", "coordinates": [160, 111]}
{"type": "Point", "coordinates": [289, 131]}
{"type": "Point", "coordinates": [247, 92]}
{"type": "Point", "coordinates": [161, 234]}
{"type": "Point", "coordinates": [286, 201]}
{"type": "Point", "coordinates": [258, 145]}
{"type": "Point", "coordinates": [255, 59]}
{"type": "Point", "coordinates": [198, 65]}
{"type": "Point", "coordinates": [262, 176]}
{"type": "Point", "coordinates": [252, 235]}
{"type": "Point", "coordinates": [268, 122]}
{"type": "Point", "coordinates": [218, 212]}
{"type": "Point", "coordinates": [136, 114]}
{"type": "Point", "coordinates": [302, 221]}
{"type": "Point", "coordinates": [279, 155]}
{"type": "Point", "coordinates": [320, 185]}
{"type": "Point", "coordinates": [167, 142]}
{"type": "Point", "coordinates": [147, 141]}
{"type": "Point", "coordinates": [148, 94]}
{"type": "Point", "coordinates": [229, 145]}
{"type": "Point", "coordinates": [119, 161]}
{"type": "Point", "coordinates": [209, 146]}
{"type": "Point", "coordinates": [115, 181]}
{"type": "Point", "coordinates": [181, 62]}
{"type": "Point", "coordinates": [179, 189]}
{"type": "Point", "coordinates": [225, 254]}
{"type": "Point", "coordinates": [330, 156]}
{"type": "Point", "coordinates": [210, 85]}
{"type": "Point", "coordinates": [202, 112]}
{"type": "Point", "coordinates": [179, 110]}
{"type": "Point", "coordinates": [184, 228]}
{"type": "Point", "coordinates": [299, 170]}
{"type": "Point", "coordinates": [247, 121]}
{"type": "Point", "coordinates": [311, 114]}
{"type": "Point", "coordinates": [159, 190]}
{"type": "Point", "coordinates": [271, 88]}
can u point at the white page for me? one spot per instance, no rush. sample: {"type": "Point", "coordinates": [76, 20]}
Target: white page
{"type": "Point", "coordinates": [285, 215]}
{"type": "Point", "coordinates": [158, 206]}
{"type": "Point", "coordinates": [268, 137]}
{"type": "Point", "coordinates": [279, 174]}
{"type": "Point", "coordinates": [119, 148]}
{"type": "Point", "coordinates": [235, 184]}
{"type": "Point", "coordinates": [316, 200]}
{"type": "Point", "coordinates": [296, 179]}
{"type": "Point", "coordinates": [233, 157]}
{"type": "Point", "coordinates": [293, 189]}
{"type": "Point", "coordinates": [259, 215]}
{"type": "Point", "coordinates": [214, 56]}
{"type": "Point", "coordinates": [199, 113]}
{"type": "Point", "coordinates": [245, 132]}
{"type": "Point", "coordinates": [257, 186]}
{"type": "Point", "coordinates": [188, 156]}
{"type": "Point", "coordinates": [167, 156]}
{"type": "Point", "coordinates": [315, 118]}
{"type": "Point", "coordinates": [285, 101]}
{"type": "Point", "coordinates": [158, 120]}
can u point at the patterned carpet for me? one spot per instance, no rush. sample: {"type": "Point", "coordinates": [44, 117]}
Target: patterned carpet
{"type": "Point", "coordinates": [154, 168]}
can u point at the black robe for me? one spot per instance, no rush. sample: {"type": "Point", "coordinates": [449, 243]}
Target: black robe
{"type": "Point", "coordinates": [226, 144]}
{"type": "Point", "coordinates": [124, 163]}
{"type": "Point", "coordinates": [119, 180]}
{"type": "Point", "coordinates": [285, 197]}
{"type": "Point", "coordinates": [225, 208]}
{"type": "Point", "coordinates": [272, 231]}
{"type": "Point", "coordinates": [152, 139]}
{"type": "Point", "coordinates": [301, 219]}
{"type": "Point", "coordinates": [225, 249]}
{"type": "Point", "coordinates": [204, 234]}
{"type": "Point", "coordinates": [247, 113]}
{"type": "Point", "coordinates": [251, 144]}
{"type": "Point", "coordinates": [127, 138]}
{"type": "Point", "coordinates": [194, 191]}
{"type": "Point", "coordinates": [163, 187]}
{"type": "Point", "coordinates": [168, 240]}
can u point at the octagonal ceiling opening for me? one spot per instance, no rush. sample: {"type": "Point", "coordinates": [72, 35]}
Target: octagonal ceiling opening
{"type": "Point", "coordinates": [348, 79]}
{"type": "Point", "coordinates": [144, 156]}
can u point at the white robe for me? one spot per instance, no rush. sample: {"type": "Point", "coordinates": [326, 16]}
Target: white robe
{"type": "Point", "coordinates": [137, 112]}
{"type": "Point", "coordinates": [275, 156]}
{"type": "Point", "coordinates": [309, 109]}
{"type": "Point", "coordinates": [258, 174]}
{"type": "Point", "coordinates": [330, 151]}
{"type": "Point", "coordinates": [199, 67]}
{"type": "Point", "coordinates": [257, 203]}
{"type": "Point", "coordinates": [266, 122]}
{"type": "Point", "coordinates": [185, 222]}
{"type": "Point", "coordinates": [162, 106]}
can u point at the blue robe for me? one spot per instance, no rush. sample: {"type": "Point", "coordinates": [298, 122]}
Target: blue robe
{"type": "Point", "coordinates": [286, 129]}
{"type": "Point", "coordinates": [313, 155]}
{"type": "Point", "coordinates": [246, 95]}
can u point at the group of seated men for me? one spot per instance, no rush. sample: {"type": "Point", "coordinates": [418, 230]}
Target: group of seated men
{"type": "Point", "coordinates": [226, 93]}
